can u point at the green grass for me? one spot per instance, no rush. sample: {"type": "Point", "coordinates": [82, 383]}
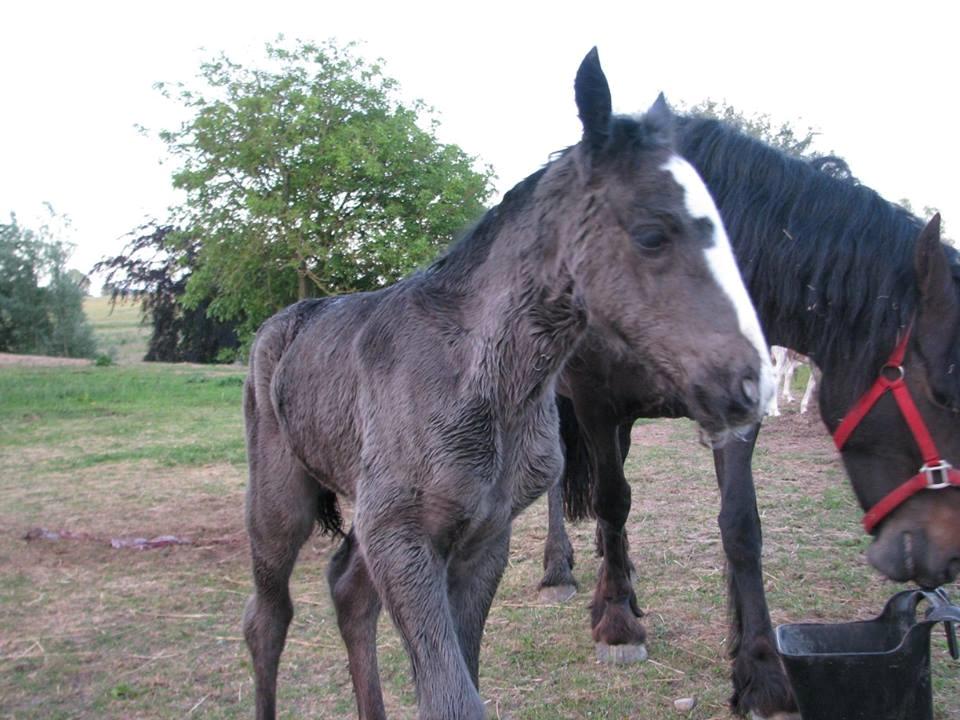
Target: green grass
{"type": "Point", "coordinates": [92, 415]}
{"type": "Point", "coordinates": [141, 450]}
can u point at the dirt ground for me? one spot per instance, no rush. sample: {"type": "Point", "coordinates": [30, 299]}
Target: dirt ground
{"type": "Point", "coordinates": [99, 631]}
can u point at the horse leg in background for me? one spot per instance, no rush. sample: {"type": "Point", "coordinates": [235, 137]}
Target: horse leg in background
{"type": "Point", "coordinates": [409, 574]}
{"type": "Point", "coordinates": [808, 393]}
{"type": "Point", "coordinates": [558, 584]}
{"type": "Point", "coordinates": [779, 355]}
{"type": "Point", "coordinates": [759, 683]}
{"type": "Point", "coordinates": [280, 512]}
{"type": "Point", "coordinates": [358, 608]}
{"type": "Point", "coordinates": [623, 440]}
{"type": "Point", "coordinates": [789, 369]}
{"type": "Point", "coordinates": [472, 581]}
{"type": "Point", "coordinates": [614, 612]}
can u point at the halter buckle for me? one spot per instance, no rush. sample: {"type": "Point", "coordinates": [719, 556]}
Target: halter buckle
{"type": "Point", "coordinates": [938, 475]}
{"type": "Point", "coordinates": [896, 374]}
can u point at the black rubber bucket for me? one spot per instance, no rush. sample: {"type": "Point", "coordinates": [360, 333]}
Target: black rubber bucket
{"type": "Point", "coordinates": [877, 669]}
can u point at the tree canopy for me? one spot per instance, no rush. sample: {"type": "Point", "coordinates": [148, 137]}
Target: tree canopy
{"type": "Point", "coordinates": [307, 176]}
{"type": "Point", "coordinates": [780, 134]}
{"type": "Point", "coordinates": [41, 302]}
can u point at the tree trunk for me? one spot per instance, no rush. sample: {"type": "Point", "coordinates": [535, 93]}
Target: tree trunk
{"type": "Point", "coordinates": [303, 289]}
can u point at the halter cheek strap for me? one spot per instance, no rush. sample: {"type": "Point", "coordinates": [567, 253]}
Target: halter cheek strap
{"type": "Point", "coordinates": [935, 473]}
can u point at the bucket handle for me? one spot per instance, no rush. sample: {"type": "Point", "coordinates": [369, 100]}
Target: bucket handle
{"type": "Point", "coordinates": [942, 610]}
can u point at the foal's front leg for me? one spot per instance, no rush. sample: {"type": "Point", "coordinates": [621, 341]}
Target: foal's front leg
{"type": "Point", "coordinates": [759, 683]}
{"type": "Point", "coordinates": [473, 582]}
{"type": "Point", "coordinates": [411, 579]}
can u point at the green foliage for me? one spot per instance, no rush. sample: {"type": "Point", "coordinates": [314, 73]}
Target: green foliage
{"type": "Point", "coordinates": [155, 267]}
{"type": "Point", "coordinates": [308, 177]}
{"type": "Point", "coordinates": [34, 317]}
{"type": "Point", "coordinates": [70, 333]}
{"type": "Point", "coordinates": [24, 323]}
{"type": "Point", "coordinates": [781, 135]}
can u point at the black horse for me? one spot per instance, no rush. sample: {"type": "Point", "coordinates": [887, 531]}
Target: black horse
{"type": "Point", "coordinates": [431, 403]}
{"type": "Point", "coordinates": [840, 275]}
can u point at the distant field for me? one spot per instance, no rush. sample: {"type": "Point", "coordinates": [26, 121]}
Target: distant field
{"type": "Point", "coordinates": [144, 450]}
{"type": "Point", "coordinates": [118, 329]}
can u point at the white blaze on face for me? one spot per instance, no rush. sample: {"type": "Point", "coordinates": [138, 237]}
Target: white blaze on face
{"type": "Point", "coordinates": [722, 264]}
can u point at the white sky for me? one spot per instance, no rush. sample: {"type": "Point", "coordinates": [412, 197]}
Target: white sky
{"type": "Point", "coordinates": [878, 79]}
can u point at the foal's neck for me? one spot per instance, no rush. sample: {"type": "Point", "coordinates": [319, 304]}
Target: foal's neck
{"type": "Point", "coordinates": [524, 314]}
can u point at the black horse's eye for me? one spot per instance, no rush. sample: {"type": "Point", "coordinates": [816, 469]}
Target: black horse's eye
{"type": "Point", "coordinates": [944, 400]}
{"type": "Point", "coordinates": [650, 240]}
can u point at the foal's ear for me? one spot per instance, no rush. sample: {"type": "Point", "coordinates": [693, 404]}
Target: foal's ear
{"type": "Point", "coordinates": [659, 119]}
{"type": "Point", "coordinates": [593, 100]}
{"type": "Point", "coordinates": [938, 297]}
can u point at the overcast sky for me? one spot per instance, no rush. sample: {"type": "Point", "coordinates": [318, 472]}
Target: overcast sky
{"type": "Point", "coordinates": [877, 79]}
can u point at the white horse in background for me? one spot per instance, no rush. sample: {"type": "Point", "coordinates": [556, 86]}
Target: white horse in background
{"type": "Point", "coordinates": [785, 364]}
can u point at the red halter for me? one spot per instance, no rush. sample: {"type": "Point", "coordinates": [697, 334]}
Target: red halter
{"type": "Point", "coordinates": [935, 474]}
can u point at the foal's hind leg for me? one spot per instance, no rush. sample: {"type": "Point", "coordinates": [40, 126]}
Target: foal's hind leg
{"type": "Point", "coordinates": [281, 510]}
{"type": "Point", "coordinates": [358, 607]}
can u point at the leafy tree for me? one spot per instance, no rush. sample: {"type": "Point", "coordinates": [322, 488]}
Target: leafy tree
{"type": "Point", "coordinates": [781, 135]}
{"type": "Point", "coordinates": [70, 333]}
{"type": "Point", "coordinates": [155, 267]}
{"type": "Point", "coordinates": [24, 323]}
{"type": "Point", "coordinates": [34, 317]}
{"type": "Point", "coordinates": [309, 177]}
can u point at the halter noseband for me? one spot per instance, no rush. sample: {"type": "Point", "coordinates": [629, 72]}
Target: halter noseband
{"type": "Point", "coordinates": [935, 473]}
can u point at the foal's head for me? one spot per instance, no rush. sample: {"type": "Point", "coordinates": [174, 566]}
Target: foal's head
{"type": "Point", "coordinates": [917, 534]}
{"type": "Point", "coordinates": [653, 267]}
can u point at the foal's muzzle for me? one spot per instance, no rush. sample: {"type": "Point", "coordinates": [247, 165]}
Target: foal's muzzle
{"type": "Point", "coordinates": [728, 401]}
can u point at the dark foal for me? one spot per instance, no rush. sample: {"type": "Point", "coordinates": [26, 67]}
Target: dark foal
{"type": "Point", "coordinates": [431, 403]}
{"type": "Point", "coordinates": [840, 275]}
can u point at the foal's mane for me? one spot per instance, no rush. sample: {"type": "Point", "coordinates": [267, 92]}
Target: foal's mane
{"type": "Point", "coordinates": [473, 246]}
{"type": "Point", "coordinates": [829, 263]}
{"type": "Point", "coordinates": [626, 134]}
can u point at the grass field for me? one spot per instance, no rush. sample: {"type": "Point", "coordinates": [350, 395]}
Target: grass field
{"type": "Point", "coordinates": [111, 453]}
{"type": "Point", "coordinates": [119, 332]}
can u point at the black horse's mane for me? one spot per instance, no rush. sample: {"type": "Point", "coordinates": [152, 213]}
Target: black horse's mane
{"type": "Point", "coordinates": [829, 263]}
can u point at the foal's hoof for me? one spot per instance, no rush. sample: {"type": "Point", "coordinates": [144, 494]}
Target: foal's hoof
{"type": "Point", "coordinates": [554, 594]}
{"type": "Point", "coordinates": [621, 654]}
{"type": "Point", "coordinates": [776, 716]}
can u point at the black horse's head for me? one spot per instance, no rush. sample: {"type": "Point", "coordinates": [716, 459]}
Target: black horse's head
{"type": "Point", "coordinates": [653, 267]}
{"type": "Point", "coordinates": [899, 454]}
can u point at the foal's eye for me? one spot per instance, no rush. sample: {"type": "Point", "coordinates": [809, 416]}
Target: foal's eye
{"type": "Point", "coordinates": [650, 240]}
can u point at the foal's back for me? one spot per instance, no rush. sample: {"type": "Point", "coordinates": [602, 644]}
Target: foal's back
{"type": "Point", "coordinates": [340, 377]}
